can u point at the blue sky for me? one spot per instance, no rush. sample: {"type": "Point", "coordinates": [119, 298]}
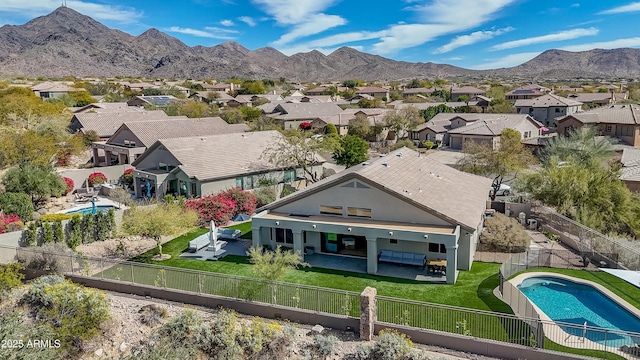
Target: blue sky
{"type": "Point", "coordinates": [475, 34]}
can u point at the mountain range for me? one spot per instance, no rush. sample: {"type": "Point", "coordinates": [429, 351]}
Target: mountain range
{"type": "Point", "coordinates": [67, 43]}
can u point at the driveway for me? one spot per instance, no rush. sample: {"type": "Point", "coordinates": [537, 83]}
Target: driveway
{"type": "Point", "coordinates": [445, 156]}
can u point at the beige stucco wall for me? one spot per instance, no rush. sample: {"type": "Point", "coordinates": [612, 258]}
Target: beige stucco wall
{"type": "Point", "coordinates": [383, 206]}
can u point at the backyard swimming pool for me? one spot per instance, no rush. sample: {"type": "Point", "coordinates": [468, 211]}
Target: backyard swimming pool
{"type": "Point", "coordinates": [566, 301]}
{"type": "Point", "coordinates": [87, 210]}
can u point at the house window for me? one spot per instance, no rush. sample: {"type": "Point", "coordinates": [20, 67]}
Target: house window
{"type": "Point", "coordinates": [359, 212]}
{"type": "Point", "coordinates": [284, 236]}
{"type": "Point", "coordinates": [248, 183]}
{"type": "Point", "coordinates": [393, 241]}
{"type": "Point", "coordinates": [557, 110]}
{"type": "Point", "coordinates": [289, 176]}
{"type": "Point", "coordinates": [530, 110]}
{"type": "Point", "coordinates": [608, 128]}
{"type": "Point", "coordinates": [240, 183]}
{"type": "Point", "coordinates": [129, 143]}
{"type": "Point", "coordinates": [330, 210]}
{"type": "Point", "coordinates": [194, 189]}
{"type": "Point", "coordinates": [437, 248]}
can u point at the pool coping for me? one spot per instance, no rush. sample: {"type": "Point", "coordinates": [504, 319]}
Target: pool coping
{"type": "Point", "coordinates": [550, 324]}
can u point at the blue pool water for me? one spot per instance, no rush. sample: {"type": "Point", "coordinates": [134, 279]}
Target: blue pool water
{"type": "Point", "coordinates": [570, 302]}
{"type": "Point", "coordinates": [87, 210]}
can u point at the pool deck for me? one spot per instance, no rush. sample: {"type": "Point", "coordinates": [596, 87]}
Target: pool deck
{"type": "Point", "coordinates": [555, 333]}
{"type": "Point", "coordinates": [100, 201]}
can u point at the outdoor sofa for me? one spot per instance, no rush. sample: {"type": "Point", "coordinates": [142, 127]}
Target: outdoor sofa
{"type": "Point", "coordinates": [203, 240]}
{"type": "Point", "coordinates": [403, 258]}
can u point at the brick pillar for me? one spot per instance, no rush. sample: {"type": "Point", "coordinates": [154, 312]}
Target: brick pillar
{"type": "Point", "coordinates": [367, 313]}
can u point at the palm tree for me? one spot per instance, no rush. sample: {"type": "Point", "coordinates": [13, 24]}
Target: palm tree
{"type": "Point", "coordinates": [583, 146]}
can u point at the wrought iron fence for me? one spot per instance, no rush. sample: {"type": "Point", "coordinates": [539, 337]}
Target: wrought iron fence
{"type": "Point", "coordinates": [604, 250]}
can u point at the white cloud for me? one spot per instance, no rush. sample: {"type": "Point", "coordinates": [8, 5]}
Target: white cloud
{"type": "Point", "coordinates": [306, 17]}
{"type": "Point", "coordinates": [560, 36]}
{"type": "Point", "coordinates": [506, 61]}
{"type": "Point", "coordinates": [247, 20]}
{"type": "Point", "coordinates": [613, 44]}
{"type": "Point", "coordinates": [33, 8]}
{"type": "Point", "coordinates": [344, 38]}
{"type": "Point", "coordinates": [211, 32]}
{"type": "Point", "coordinates": [633, 7]}
{"type": "Point", "coordinates": [575, 5]}
{"type": "Point", "coordinates": [440, 17]}
{"type": "Point", "coordinates": [315, 24]}
{"type": "Point", "coordinates": [474, 37]}
{"type": "Point", "coordinates": [227, 22]}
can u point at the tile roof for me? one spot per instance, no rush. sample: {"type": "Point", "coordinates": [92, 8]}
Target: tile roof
{"type": "Point", "coordinates": [149, 132]}
{"type": "Point", "coordinates": [494, 124]}
{"type": "Point", "coordinates": [418, 90]}
{"type": "Point", "coordinates": [220, 95]}
{"type": "Point", "coordinates": [426, 105]}
{"type": "Point", "coordinates": [109, 107]}
{"type": "Point", "coordinates": [293, 111]}
{"type": "Point", "coordinates": [630, 157]}
{"type": "Point", "coordinates": [442, 121]}
{"type": "Point", "coordinates": [105, 124]}
{"type": "Point", "coordinates": [612, 114]}
{"type": "Point", "coordinates": [220, 156]}
{"type": "Point", "coordinates": [546, 101]}
{"type": "Point", "coordinates": [370, 89]}
{"type": "Point", "coordinates": [467, 90]}
{"type": "Point", "coordinates": [590, 97]}
{"type": "Point", "coordinates": [420, 180]}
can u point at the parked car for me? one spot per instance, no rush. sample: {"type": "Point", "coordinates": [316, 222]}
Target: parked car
{"type": "Point", "coordinates": [504, 190]}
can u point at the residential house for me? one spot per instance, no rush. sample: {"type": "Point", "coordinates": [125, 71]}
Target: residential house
{"type": "Point", "coordinates": [132, 139]}
{"type": "Point", "coordinates": [417, 91]}
{"type": "Point", "coordinates": [203, 165]}
{"type": "Point", "coordinates": [469, 91]}
{"type": "Point", "coordinates": [219, 98]}
{"type": "Point", "coordinates": [292, 114]}
{"type": "Point", "coordinates": [488, 128]}
{"type": "Point", "coordinates": [618, 121]}
{"type": "Point", "coordinates": [224, 87]}
{"type": "Point", "coordinates": [547, 108]}
{"type": "Point", "coordinates": [103, 107]}
{"type": "Point", "coordinates": [318, 91]}
{"type": "Point", "coordinates": [425, 105]}
{"type": "Point", "coordinates": [630, 172]}
{"type": "Point", "coordinates": [50, 90]}
{"type": "Point", "coordinates": [105, 124]}
{"type": "Point", "coordinates": [526, 92]}
{"type": "Point", "coordinates": [598, 98]}
{"type": "Point", "coordinates": [154, 100]}
{"type": "Point", "coordinates": [374, 91]}
{"type": "Point", "coordinates": [437, 128]}
{"type": "Point", "coordinates": [342, 120]}
{"type": "Point", "coordinates": [401, 202]}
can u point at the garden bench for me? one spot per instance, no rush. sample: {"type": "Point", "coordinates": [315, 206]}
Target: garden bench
{"type": "Point", "coordinates": [199, 242]}
{"type": "Point", "coordinates": [403, 258]}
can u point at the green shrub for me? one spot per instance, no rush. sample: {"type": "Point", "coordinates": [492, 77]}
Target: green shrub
{"type": "Point", "coordinates": [10, 277]}
{"type": "Point", "coordinates": [404, 142]}
{"type": "Point", "coordinates": [58, 232]}
{"type": "Point", "coordinates": [265, 195]}
{"type": "Point", "coordinates": [17, 203]}
{"type": "Point", "coordinates": [47, 233]}
{"type": "Point", "coordinates": [429, 144]}
{"type": "Point", "coordinates": [87, 228]}
{"type": "Point", "coordinates": [75, 231]}
{"type": "Point", "coordinates": [391, 345]}
{"type": "Point", "coordinates": [31, 235]}
{"type": "Point", "coordinates": [73, 312]}
{"type": "Point", "coordinates": [505, 234]}
{"type": "Point", "coordinates": [54, 217]}
{"type": "Point", "coordinates": [14, 326]}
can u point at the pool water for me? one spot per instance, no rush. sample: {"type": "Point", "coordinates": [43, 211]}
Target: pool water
{"type": "Point", "coordinates": [570, 302]}
{"type": "Point", "coordinates": [88, 210]}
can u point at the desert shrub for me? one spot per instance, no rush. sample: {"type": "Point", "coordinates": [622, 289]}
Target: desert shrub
{"type": "Point", "coordinates": [181, 328]}
{"type": "Point", "coordinates": [57, 259]}
{"type": "Point", "coordinates": [504, 234]}
{"type": "Point", "coordinates": [152, 314]}
{"type": "Point", "coordinates": [14, 326]}
{"type": "Point", "coordinates": [363, 352]}
{"type": "Point", "coordinates": [10, 277]}
{"type": "Point", "coordinates": [97, 178]}
{"type": "Point", "coordinates": [164, 219]}
{"type": "Point", "coordinates": [73, 312]}
{"type": "Point", "coordinates": [54, 217]}
{"type": "Point", "coordinates": [402, 143]}
{"type": "Point", "coordinates": [265, 195]}
{"type": "Point", "coordinates": [17, 203]}
{"type": "Point", "coordinates": [325, 345]}
{"type": "Point", "coordinates": [70, 185]}
{"type": "Point", "coordinates": [391, 345]}
{"type": "Point", "coordinates": [255, 334]}
{"type": "Point", "coordinates": [429, 144]}
{"type": "Point", "coordinates": [121, 196]}
{"type": "Point", "coordinates": [163, 350]}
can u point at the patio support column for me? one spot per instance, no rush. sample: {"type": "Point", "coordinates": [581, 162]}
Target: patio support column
{"type": "Point", "coordinates": [298, 246]}
{"type": "Point", "coordinates": [372, 255]}
{"type": "Point", "coordinates": [452, 264]}
{"type": "Point", "coordinates": [96, 159]}
{"type": "Point", "coordinates": [107, 157]}
{"type": "Point", "coordinates": [255, 236]}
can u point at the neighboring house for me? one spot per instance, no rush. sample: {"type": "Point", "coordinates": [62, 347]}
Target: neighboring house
{"type": "Point", "coordinates": [132, 139]}
{"type": "Point", "coordinates": [155, 100]}
{"type": "Point", "coordinates": [342, 120]}
{"type": "Point", "coordinates": [212, 97]}
{"type": "Point", "coordinates": [630, 172]}
{"type": "Point", "coordinates": [597, 99]}
{"type": "Point", "coordinates": [203, 165]}
{"type": "Point", "coordinates": [526, 92]}
{"type": "Point", "coordinates": [437, 129]}
{"type": "Point", "coordinates": [425, 105]}
{"type": "Point", "coordinates": [224, 87]}
{"type": "Point", "coordinates": [488, 128]}
{"type": "Point", "coordinates": [547, 108]}
{"type": "Point", "coordinates": [292, 114]}
{"type": "Point", "coordinates": [374, 92]}
{"type": "Point", "coordinates": [103, 107]}
{"type": "Point", "coordinates": [318, 91]}
{"type": "Point", "coordinates": [417, 91]}
{"type": "Point", "coordinates": [105, 124]}
{"type": "Point", "coordinates": [618, 121]}
{"type": "Point", "coordinates": [470, 91]}
{"type": "Point", "coordinates": [137, 87]}
{"type": "Point", "coordinates": [400, 202]}
{"type": "Point", "coordinates": [50, 90]}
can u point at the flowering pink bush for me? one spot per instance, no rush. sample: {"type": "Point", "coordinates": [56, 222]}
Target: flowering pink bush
{"type": "Point", "coordinates": [127, 176]}
{"type": "Point", "coordinates": [10, 222]}
{"type": "Point", "coordinates": [97, 178]}
{"type": "Point", "coordinates": [222, 207]}
{"type": "Point", "coordinates": [70, 185]}
{"type": "Point", "coordinates": [305, 125]}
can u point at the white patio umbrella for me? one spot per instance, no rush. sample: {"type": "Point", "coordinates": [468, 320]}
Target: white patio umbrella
{"type": "Point", "coordinates": [213, 235]}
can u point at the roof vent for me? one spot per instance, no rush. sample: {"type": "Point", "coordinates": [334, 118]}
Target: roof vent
{"type": "Point", "coordinates": [365, 163]}
{"type": "Point", "coordinates": [399, 154]}
{"type": "Point", "coordinates": [385, 164]}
